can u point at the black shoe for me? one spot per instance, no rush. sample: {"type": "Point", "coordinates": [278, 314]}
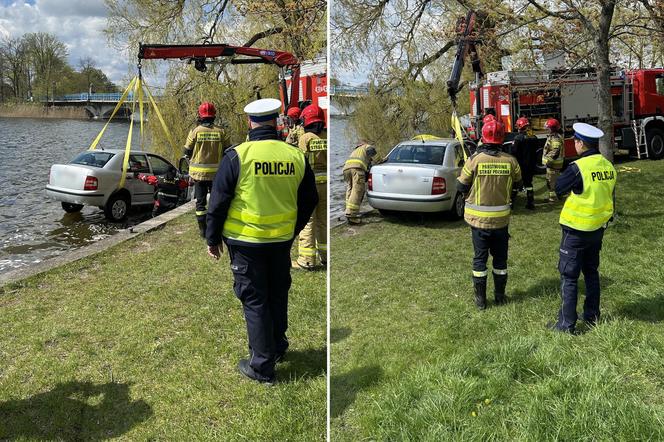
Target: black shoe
{"type": "Point", "coordinates": [499, 284]}
{"type": "Point", "coordinates": [554, 326]}
{"type": "Point", "coordinates": [249, 372]}
{"type": "Point", "coordinates": [202, 226]}
{"type": "Point", "coordinates": [280, 357]}
{"type": "Point", "coordinates": [479, 285]}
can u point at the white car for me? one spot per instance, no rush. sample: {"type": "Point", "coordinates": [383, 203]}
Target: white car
{"type": "Point", "coordinates": [419, 176]}
{"type": "Point", "coordinates": [92, 179]}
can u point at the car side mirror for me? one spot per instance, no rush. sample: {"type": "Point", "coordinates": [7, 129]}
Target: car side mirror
{"type": "Point", "coordinates": [183, 166]}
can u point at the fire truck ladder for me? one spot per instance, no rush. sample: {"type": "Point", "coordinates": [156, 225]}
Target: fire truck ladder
{"type": "Point", "coordinates": [639, 133]}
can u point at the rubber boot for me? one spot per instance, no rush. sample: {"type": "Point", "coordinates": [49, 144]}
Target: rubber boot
{"type": "Point", "coordinates": [479, 284]}
{"type": "Point", "coordinates": [202, 226]}
{"type": "Point", "coordinates": [530, 203]}
{"type": "Point", "coordinates": [499, 284]}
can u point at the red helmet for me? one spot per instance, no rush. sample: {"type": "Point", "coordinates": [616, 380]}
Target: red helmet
{"type": "Point", "coordinates": [522, 122]}
{"type": "Point", "coordinates": [312, 114]}
{"type": "Point", "coordinates": [552, 124]}
{"type": "Point", "coordinates": [207, 110]}
{"type": "Point", "coordinates": [493, 132]}
{"type": "Point", "coordinates": [487, 118]}
{"type": "Point", "coordinates": [293, 112]}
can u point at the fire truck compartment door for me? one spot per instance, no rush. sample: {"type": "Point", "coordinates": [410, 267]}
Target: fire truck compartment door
{"type": "Point", "coordinates": [579, 101]}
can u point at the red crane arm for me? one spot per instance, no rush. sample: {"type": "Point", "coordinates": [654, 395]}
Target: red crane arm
{"type": "Point", "coordinates": [200, 52]}
{"type": "Point", "coordinates": [280, 58]}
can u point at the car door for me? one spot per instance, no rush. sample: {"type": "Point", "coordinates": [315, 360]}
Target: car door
{"type": "Point", "coordinates": [141, 192]}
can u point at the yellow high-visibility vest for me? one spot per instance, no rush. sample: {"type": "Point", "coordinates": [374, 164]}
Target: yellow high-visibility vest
{"type": "Point", "coordinates": [593, 208]}
{"type": "Point", "coordinates": [264, 208]}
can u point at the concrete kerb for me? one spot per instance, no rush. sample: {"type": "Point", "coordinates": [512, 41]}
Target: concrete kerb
{"type": "Point", "coordinates": [100, 246]}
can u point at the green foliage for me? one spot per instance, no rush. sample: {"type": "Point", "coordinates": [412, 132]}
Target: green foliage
{"type": "Point", "coordinates": [295, 26]}
{"type": "Point", "coordinates": [413, 359]}
{"type": "Point", "coordinates": [141, 342]}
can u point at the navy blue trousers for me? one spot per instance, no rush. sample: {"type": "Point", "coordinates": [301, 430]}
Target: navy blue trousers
{"type": "Point", "coordinates": [493, 241]}
{"type": "Point", "coordinates": [579, 252]}
{"type": "Point", "coordinates": [261, 281]}
{"type": "Point", "coordinates": [201, 190]}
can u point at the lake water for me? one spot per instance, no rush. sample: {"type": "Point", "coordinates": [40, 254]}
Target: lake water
{"type": "Point", "coordinates": [33, 227]}
{"type": "Point", "coordinates": [342, 142]}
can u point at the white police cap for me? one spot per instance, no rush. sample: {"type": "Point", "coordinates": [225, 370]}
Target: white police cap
{"type": "Point", "coordinates": [586, 132]}
{"type": "Point", "coordinates": [262, 110]}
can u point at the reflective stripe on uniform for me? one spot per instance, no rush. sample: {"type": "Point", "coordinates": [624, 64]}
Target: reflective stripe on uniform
{"type": "Point", "coordinates": [201, 212]}
{"type": "Point", "coordinates": [351, 205]}
{"type": "Point", "coordinates": [487, 211]}
{"type": "Point", "coordinates": [356, 162]}
{"type": "Point", "coordinates": [321, 247]}
{"type": "Point", "coordinates": [500, 271]}
{"type": "Point", "coordinates": [240, 229]}
{"type": "Point", "coordinates": [199, 167]}
{"type": "Point", "coordinates": [306, 251]}
{"type": "Point", "coordinates": [321, 178]}
{"type": "Point", "coordinates": [466, 171]}
{"type": "Point", "coordinates": [480, 274]}
{"type": "Point", "coordinates": [258, 219]}
{"type": "Point", "coordinates": [167, 194]}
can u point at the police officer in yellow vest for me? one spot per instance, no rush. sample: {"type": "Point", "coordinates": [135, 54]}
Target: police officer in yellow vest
{"type": "Point", "coordinates": [204, 147]}
{"type": "Point", "coordinates": [262, 196]}
{"type": "Point", "coordinates": [313, 238]}
{"type": "Point", "coordinates": [553, 156]}
{"type": "Point", "coordinates": [355, 170]}
{"type": "Point", "coordinates": [590, 182]}
{"type": "Point", "coordinates": [486, 179]}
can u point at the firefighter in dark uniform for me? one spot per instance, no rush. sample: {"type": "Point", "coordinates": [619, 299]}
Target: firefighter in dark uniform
{"type": "Point", "coordinates": [486, 180]}
{"type": "Point", "coordinates": [262, 196]}
{"type": "Point", "coordinates": [590, 182]}
{"type": "Point", "coordinates": [204, 147]}
{"type": "Point", "coordinates": [524, 149]}
{"type": "Point", "coordinates": [167, 190]}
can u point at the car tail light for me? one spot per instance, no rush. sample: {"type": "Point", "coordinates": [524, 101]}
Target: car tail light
{"type": "Point", "coordinates": [438, 187]}
{"type": "Point", "coordinates": [370, 182]}
{"type": "Point", "coordinates": [91, 183]}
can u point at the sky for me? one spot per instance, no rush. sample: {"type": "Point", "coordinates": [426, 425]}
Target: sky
{"type": "Point", "coordinates": [79, 24]}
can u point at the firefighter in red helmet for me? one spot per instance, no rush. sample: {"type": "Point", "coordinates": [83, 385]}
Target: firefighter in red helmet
{"type": "Point", "coordinates": [524, 148]}
{"type": "Point", "coordinates": [553, 156]}
{"type": "Point", "coordinates": [486, 182]}
{"type": "Point", "coordinates": [313, 238]}
{"type": "Point", "coordinates": [204, 147]}
{"type": "Point", "coordinates": [295, 129]}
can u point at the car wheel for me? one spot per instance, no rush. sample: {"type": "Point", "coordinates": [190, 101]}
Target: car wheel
{"type": "Point", "coordinates": [457, 208]}
{"type": "Point", "coordinates": [71, 208]}
{"type": "Point", "coordinates": [117, 207]}
{"type": "Point", "coordinates": [655, 142]}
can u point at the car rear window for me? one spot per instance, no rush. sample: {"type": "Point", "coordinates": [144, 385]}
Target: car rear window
{"type": "Point", "coordinates": [417, 154]}
{"type": "Point", "coordinates": [94, 159]}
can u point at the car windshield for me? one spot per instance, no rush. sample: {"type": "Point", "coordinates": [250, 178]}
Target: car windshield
{"type": "Point", "coordinates": [417, 154]}
{"type": "Point", "coordinates": [94, 159]}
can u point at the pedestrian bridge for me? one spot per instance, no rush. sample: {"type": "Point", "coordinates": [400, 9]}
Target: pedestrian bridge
{"type": "Point", "coordinates": [97, 106]}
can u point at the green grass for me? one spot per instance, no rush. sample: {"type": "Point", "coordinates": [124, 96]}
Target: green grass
{"type": "Point", "coordinates": [141, 342]}
{"type": "Point", "coordinates": [412, 359]}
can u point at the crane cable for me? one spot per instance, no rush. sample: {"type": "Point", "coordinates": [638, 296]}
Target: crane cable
{"type": "Point", "coordinates": [135, 87]}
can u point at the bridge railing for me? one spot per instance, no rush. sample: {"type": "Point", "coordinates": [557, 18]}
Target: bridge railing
{"type": "Point", "coordinates": [348, 90]}
{"type": "Point", "coordinates": [84, 96]}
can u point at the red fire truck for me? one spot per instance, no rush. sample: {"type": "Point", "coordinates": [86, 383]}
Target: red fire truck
{"type": "Point", "coordinates": [313, 84]}
{"type": "Point", "coordinates": [571, 97]}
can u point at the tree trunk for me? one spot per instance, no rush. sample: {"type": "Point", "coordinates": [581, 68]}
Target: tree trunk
{"type": "Point", "coordinates": [603, 63]}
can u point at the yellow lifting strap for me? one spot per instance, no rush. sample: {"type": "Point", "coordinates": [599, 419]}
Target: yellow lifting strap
{"type": "Point", "coordinates": [136, 86]}
{"type": "Point", "coordinates": [456, 125]}
{"type": "Point", "coordinates": [132, 83]}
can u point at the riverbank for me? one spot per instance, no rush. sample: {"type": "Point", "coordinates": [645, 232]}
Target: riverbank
{"type": "Point", "coordinates": [38, 110]}
{"type": "Point", "coordinates": [142, 340]}
{"type": "Point", "coordinates": [412, 358]}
